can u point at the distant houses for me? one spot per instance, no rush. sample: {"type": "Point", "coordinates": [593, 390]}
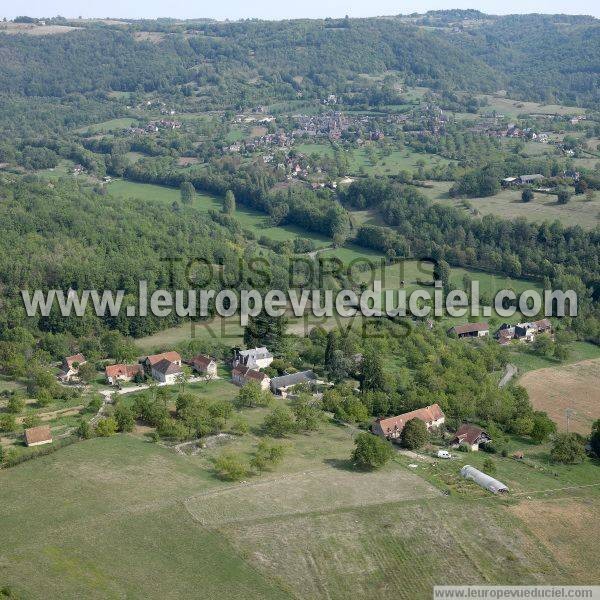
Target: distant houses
{"type": "Point", "coordinates": [522, 180]}
{"type": "Point", "coordinates": [525, 332]}
{"type": "Point", "coordinates": [283, 385]}
{"type": "Point", "coordinates": [166, 371]}
{"type": "Point", "coordinates": [241, 375]}
{"type": "Point", "coordinates": [253, 358]}
{"type": "Point", "coordinates": [36, 436]}
{"type": "Point", "coordinates": [470, 436]}
{"type": "Point", "coordinates": [205, 365]}
{"type": "Point", "coordinates": [469, 330]}
{"type": "Point", "coordinates": [391, 427]}
{"type": "Point", "coordinates": [120, 372]}
{"type": "Point", "coordinates": [153, 359]}
{"type": "Point", "coordinates": [70, 367]}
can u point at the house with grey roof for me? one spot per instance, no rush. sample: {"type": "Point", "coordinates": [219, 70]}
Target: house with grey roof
{"type": "Point", "coordinates": [253, 358]}
{"type": "Point", "coordinates": [283, 385]}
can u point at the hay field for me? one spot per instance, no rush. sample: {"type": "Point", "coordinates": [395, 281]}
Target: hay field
{"type": "Point", "coordinates": [575, 386]}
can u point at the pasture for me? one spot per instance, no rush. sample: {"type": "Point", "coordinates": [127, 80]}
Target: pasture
{"type": "Point", "coordinates": [513, 108]}
{"type": "Point", "coordinates": [108, 126]}
{"type": "Point", "coordinates": [544, 207]}
{"type": "Point", "coordinates": [125, 517]}
{"type": "Point", "coordinates": [557, 389]}
{"type": "Point", "coordinates": [255, 221]}
{"type": "Point", "coordinates": [374, 160]}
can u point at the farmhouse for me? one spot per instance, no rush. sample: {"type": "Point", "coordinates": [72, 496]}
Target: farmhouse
{"type": "Point", "coordinates": [70, 367]}
{"type": "Point", "coordinates": [282, 386]}
{"type": "Point", "coordinates": [485, 481]}
{"type": "Point", "coordinates": [36, 436]}
{"type": "Point", "coordinates": [166, 371]}
{"type": "Point", "coordinates": [254, 358]}
{"type": "Point", "coordinates": [470, 436]}
{"type": "Point", "coordinates": [392, 427]}
{"type": "Point", "coordinates": [470, 330]}
{"type": "Point", "coordinates": [154, 359]}
{"type": "Point", "coordinates": [242, 375]}
{"type": "Point", "coordinates": [204, 364]}
{"type": "Point", "coordinates": [120, 372]}
{"type": "Point", "coordinates": [524, 332]}
{"type": "Point", "coordinates": [529, 179]}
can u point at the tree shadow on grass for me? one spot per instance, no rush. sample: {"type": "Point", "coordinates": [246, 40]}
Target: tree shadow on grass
{"type": "Point", "coordinates": [342, 464]}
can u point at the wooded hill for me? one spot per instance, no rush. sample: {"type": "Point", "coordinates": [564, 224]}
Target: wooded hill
{"type": "Point", "coordinates": [538, 57]}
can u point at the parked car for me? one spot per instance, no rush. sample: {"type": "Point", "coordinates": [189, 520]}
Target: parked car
{"type": "Point", "coordinates": [444, 454]}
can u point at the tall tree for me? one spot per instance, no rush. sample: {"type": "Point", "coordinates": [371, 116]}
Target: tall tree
{"type": "Point", "coordinates": [229, 203]}
{"type": "Point", "coordinates": [187, 191]}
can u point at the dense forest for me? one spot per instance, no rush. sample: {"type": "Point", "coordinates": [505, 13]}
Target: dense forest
{"type": "Point", "coordinates": [530, 56]}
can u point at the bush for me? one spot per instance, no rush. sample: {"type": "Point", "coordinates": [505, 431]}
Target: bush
{"type": "Point", "coordinates": [8, 423]}
{"type": "Point", "coordinates": [267, 455]}
{"type": "Point", "coordinates": [84, 430]}
{"type": "Point", "coordinates": [31, 421]}
{"type": "Point", "coordinates": [240, 426]}
{"type": "Point", "coordinates": [124, 417]}
{"type": "Point", "coordinates": [106, 427]}
{"type": "Point", "coordinates": [526, 195]}
{"type": "Point", "coordinates": [489, 466]}
{"type": "Point", "coordinates": [231, 467]}
{"type": "Point", "coordinates": [279, 422]}
{"type": "Point", "coordinates": [371, 451]}
{"type": "Point", "coordinates": [567, 449]}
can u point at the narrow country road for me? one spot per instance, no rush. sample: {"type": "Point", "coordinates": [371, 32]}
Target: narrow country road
{"type": "Point", "coordinates": [509, 373]}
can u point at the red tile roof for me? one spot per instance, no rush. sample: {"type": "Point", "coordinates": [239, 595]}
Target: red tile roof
{"type": "Point", "coordinates": [469, 434]}
{"type": "Point", "coordinates": [166, 367]}
{"type": "Point", "coordinates": [172, 356]}
{"type": "Point", "coordinates": [34, 435]}
{"type": "Point", "coordinates": [201, 361]}
{"type": "Point", "coordinates": [429, 414]}
{"type": "Point", "coordinates": [247, 373]}
{"type": "Point", "coordinates": [470, 328]}
{"type": "Point", "coordinates": [114, 371]}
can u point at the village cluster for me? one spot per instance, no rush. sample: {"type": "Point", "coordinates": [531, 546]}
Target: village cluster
{"type": "Point", "coordinates": [247, 366]}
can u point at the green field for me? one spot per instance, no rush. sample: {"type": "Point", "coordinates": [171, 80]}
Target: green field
{"type": "Point", "coordinates": [527, 361]}
{"type": "Point", "coordinates": [122, 517]}
{"type": "Point", "coordinates": [382, 163]}
{"type": "Point", "coordinates": [513, 108]}
{"type": "Point", "coordinates": [108, 126]}
{"type": "Point", "coordinates": [543, 207]}
{"type": "Point", "coordinates": [254, 221]}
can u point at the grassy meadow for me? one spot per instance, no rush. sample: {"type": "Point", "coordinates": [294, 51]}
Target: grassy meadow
{"type": "Point", "coordinates": [543, 207]}
{"type": "Point", "coordinates": [123, 517]}
{"type": "Point", "coordinates": [255, 221]}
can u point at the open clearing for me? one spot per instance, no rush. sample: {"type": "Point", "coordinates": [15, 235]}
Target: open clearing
{"type": "Point", "coordinates": [543, 207]}
{"type": "Point", "coordinates": [320, 490]}
{"type": "Point", "coordinates": [575, 386]}
{"type": "Point", "coordinates": [112, 523]}
{"type": "Point", "coordinates": [257, 222]}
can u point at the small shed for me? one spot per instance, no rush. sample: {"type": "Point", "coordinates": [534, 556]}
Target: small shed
{"type": "Point", "coordinates": [485, 481]}
{"type": "Point", "coordinates": [36, 436]}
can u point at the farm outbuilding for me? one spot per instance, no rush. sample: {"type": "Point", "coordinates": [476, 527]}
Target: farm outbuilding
{"type": "Point", "coordinates": [485, 481]}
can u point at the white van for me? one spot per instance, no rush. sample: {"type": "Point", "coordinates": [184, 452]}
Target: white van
{"type": "Point", "coordinates": [444, 454]}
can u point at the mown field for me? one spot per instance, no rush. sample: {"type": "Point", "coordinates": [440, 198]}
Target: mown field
{"type": "Point", "coordinates": [544, 207]}
{"type": "Point", "coordinates": [574, 387]}
{"type": "Point", "coordinates": [252, 220]}
{"type": "Point", "coordinates": [123, 517]}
